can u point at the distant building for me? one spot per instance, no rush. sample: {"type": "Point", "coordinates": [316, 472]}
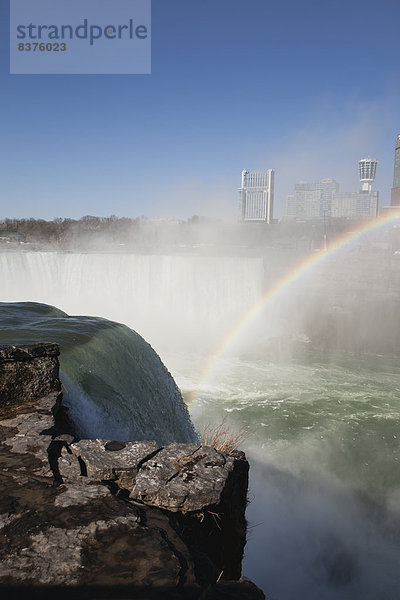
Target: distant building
{"type": "Point", "coordinates": [320, 200]}
{"type": "Point", "coordinates": [355, 205]}
{"type": "Point", "coordinates": [395, 195]}
{"type": "Point", "coordinates": [361, 204]}
{"type": "Point", "coordinates": [311, 200]}
{"type": "Point", "coordinates": [367, 172]}
{"type": "Point", "coordinates": [256, 196]}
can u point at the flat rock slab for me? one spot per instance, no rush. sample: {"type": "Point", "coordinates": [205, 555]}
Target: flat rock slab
{"type": "Point", "coordinates": [104, 460]}
{"type": "Point", "coordinates": [101, 543]}
{"type": "Point", "coordinates": [183, 477]}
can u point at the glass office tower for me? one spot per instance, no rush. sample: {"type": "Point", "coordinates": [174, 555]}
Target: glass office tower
{"type": "Point", "coordinates": [395, 196]}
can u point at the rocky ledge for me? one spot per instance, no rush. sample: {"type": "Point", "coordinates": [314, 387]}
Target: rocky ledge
{"type": "Point", "coordinates": [106, 519]}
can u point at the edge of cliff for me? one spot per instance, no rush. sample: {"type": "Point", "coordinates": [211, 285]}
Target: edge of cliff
{"type": "Point", "coordinates": [106, 519]}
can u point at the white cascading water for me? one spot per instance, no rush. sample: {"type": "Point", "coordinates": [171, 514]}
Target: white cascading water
{"type": "Point", "coordinates": [158, 296]}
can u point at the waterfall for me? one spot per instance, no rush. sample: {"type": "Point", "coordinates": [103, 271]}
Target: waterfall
{"type": "Point", "coordinates": [113, 381]}
{"type": "Point", "coordinates": [162, 297]}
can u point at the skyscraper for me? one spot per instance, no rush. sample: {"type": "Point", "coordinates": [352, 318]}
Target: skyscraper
{"type": "Point", "coordinates": [395, 196]}
{"type": "Point", "coordinates": [256, 196]}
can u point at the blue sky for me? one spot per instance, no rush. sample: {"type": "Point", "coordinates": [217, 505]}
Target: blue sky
{"type": "Point", "coordinates": [306, 88]}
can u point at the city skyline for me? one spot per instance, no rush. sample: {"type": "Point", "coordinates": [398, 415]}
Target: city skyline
{"type": "Point", "coordinates": [323, 199]}
{"type": "Point", "coordinates": [225, 91]}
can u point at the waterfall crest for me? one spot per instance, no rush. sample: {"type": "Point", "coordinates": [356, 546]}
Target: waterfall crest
{"type": "Point", "coordinates": [114, 382]}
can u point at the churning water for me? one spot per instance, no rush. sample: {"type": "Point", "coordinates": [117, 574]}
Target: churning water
{"type": "Point", "coordinates": [323, 443]}
{"type": "Point", "coordinates": [322, 428]}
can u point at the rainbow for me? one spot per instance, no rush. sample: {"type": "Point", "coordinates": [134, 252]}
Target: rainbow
{"type": "Point", "coordinates": [281, 286]}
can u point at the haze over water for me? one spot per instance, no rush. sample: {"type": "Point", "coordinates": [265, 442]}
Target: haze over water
{"type": "Point", "coordinates": [314, 380]}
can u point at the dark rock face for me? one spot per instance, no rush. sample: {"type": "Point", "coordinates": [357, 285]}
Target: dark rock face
{"type": "Point", "coordinates": [97, 518]}
{"type": "Point", "coordinates": [26, 374]}
{"type": "Point", "coordinates": [207, 491]}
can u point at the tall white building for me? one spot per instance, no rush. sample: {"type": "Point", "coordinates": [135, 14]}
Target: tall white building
{"type": "Point", "coordinates": [256, 196]}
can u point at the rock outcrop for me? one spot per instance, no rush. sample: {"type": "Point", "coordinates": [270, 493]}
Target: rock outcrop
{"type": "Point", "coordinates": [98, 518]}
{"type": "Point", "coordinates": [26, 373]}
